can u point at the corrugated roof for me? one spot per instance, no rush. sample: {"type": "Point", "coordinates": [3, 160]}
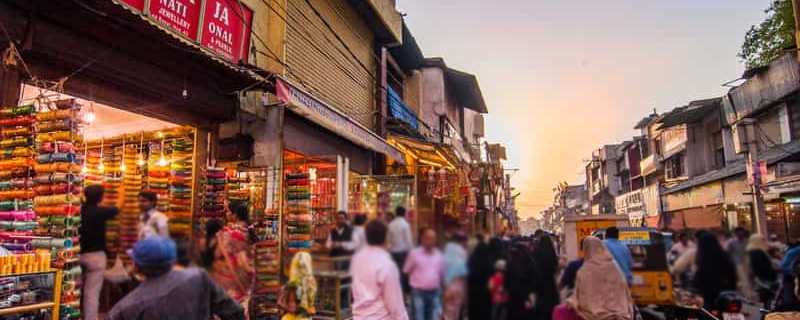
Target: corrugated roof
{"type": "Point", "coordinates": [694, 112]}
{"type": "Point", "coordinates": [771, 156]}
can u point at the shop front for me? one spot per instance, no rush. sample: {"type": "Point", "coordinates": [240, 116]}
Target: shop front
{"type": "Point", "coordinates": [101, 93]}
{"type": "Point", "coordinates": [698, 207]}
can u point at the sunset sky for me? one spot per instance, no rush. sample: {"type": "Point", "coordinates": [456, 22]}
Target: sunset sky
{"type": "Point", "coordinates": [563, 77]}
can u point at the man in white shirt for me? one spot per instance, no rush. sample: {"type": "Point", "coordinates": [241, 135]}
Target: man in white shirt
{"type": "Point", "coordinates": [152, 221]}
{"type": "Point", "coordinates": [400, 242]}
{"type": "Point", "coordinates": [377, 293]}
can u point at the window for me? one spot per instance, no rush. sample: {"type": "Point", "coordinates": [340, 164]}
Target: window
{"type": "Point", "coordinates": [674, 167]}
{"type": "Point", "coordinates": [718, 148]}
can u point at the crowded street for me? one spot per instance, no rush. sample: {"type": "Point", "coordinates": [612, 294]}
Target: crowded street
{"type": "Point", "coordinates": [399, 160]}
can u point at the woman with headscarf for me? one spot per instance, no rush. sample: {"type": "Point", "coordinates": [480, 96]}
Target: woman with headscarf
{"type": "Point", "coordinates": [761, 274]}
{"type": "Point", "coordinates": [521, 282]}
{"type": "Point", "coordinates": [547, 296]}
{"type": "Point", "coordinates": [480, 271]}
{"type": "Point", "coordinates": [715, 270]}
{"type": "Point", "coordinates": [297, 297]}
{"type": "Point", "coordinates": [601, 291]}
{"type": "Point", "coordinates": [232, 266]}
{"type": "Point", "coordinates": [455, 276]}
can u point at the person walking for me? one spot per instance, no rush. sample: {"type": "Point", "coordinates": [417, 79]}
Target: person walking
{"type": "Point", "coordinates": [425, 269]}
{"type": "Point", "coordinates": [297, 297]}
{"type": "Point", "coordinates": [400, 242]}
{"type": "Point", "coordinates": [547, 296]}
{"type": "Point", "coordinates": [498, 292]}
{"type": "Point", "coordinates": [155, 298]}
{"type": "Point", "coordinates": [93, 247]}
{"type": "Point", "coordinates": [480, 265]}
{"type": "Point", "coordinates": [521, 281]}
{"type": "Point", "coordinates": [737, 246]}
{"type": "Point", "coordinates": [232, 268]}
{"type": "Point", "coordinates": [209, 245]}
{"type": "Point", "coordinates": [761, 274]}
{"type": "Point", "coordinates": [152, 221]}
{"type": "Point", "coordinates": [359, 233]}
{"type": "Point", "coordinates": [790, 259]}
{"type": "Point", "coordinates": [455, 277]}
{"type": "Point", "coordinates": [620, 252]}
{"type": "Point", "coordinates": [601, 290]}
{"type": "Point", "coordinates": [377, 293]}
{"type": "Point", "coordinates": [715, 271]}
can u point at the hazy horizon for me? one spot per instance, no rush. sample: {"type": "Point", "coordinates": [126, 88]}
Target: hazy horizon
{"type": "Point", "coordinates": [562, 78]}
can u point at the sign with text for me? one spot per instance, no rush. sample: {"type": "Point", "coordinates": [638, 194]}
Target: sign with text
{"type": "Point", "coordinates": [181, 15]}
{"type": "Point", "coordinates": [586, 228]}
{"type": "Point", "coordinates": [320, 113]}
{"type": "Point", "coordinates": [224, 30]}
{"type": "Point", "coordinates": [635, 237]}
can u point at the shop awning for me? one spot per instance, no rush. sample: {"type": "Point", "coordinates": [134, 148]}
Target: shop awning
{"type": "Point", "coordinates": [111, 53]}
{"type": "Point", "coordinates": [424, 152]}
{"type": "Point", "coordinates": [328, 117]}
{"type": "Point", "coordinates": [694, 218]}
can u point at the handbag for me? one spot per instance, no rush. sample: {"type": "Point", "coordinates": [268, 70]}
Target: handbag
{"type": "Point", "coordinates": [117, 274]}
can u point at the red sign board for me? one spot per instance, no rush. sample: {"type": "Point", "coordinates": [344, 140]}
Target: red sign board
{"type": "Point", "coordinates": [223, 28]}
{"type": "Point", "coordinates": [136, 4]}
{"type": "Point", "coordinates": [181, 15]}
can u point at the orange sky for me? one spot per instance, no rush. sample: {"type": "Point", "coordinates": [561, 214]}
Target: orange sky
{"type": "Point", "coordinates": [563, 77]}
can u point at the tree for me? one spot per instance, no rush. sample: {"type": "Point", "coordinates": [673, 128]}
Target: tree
{"type": "Point", "coordinates": [768, 40]}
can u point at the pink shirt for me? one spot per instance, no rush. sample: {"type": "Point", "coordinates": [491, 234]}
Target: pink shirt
{"type": "Point", "coordinates": [377, 294]}
{"type": "Point", "coordinates": [425, 270]}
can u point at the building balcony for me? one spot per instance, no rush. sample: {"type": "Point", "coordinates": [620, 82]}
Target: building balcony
{"type": "Point", "coordinates": [399, 110]}
{"type": "Point", "coordinates": [650, 164]}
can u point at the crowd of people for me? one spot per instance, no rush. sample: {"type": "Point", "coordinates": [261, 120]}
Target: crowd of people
{"type": "Point", "coordinates": [448, 277]}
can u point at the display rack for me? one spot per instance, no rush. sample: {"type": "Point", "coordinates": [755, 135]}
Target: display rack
{"type": "Point", "coordinates": [16, 177]}
{"type": "Point", "coordinates": [264, 187]}
{"type": "Point", "coordinates": [181, 185]}
{"type": "Point", "coordinates": [37, 294]}
{"type": "Point", "coordinates": [214, 192]}
{"type": "Point", "coordinates": [58, 184]}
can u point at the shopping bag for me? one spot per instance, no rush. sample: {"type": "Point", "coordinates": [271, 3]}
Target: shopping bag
{"type": "Point", "coordinates": [117, 274]}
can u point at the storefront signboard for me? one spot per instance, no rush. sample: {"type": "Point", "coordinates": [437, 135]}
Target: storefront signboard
{"type": "Point", "coordinates": [223, 28]}
{"type": "Point", "coordinates": [181, 15]}
{"type": "Point", "coordinates": [214, 24]}
{"type": "Point", "coordinates": [326, 116]}
{"type": "Point", "coordinates": [585, 229]}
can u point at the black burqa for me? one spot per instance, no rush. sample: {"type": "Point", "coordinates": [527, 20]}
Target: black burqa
{"type": "Point", "coordinates": [481, 268]}
{"type": "Point", "coordinates": [522, 279]}
{"type": "Point", "coordinates": [715, 270]}
{"type": "Point", "coordinates": [547, 297]}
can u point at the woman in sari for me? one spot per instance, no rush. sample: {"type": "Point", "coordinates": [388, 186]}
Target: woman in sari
{"type": "Point", "coordinates": [232, 268]}
{"type": "Point", "coordinates": [598, 277]}
{"type": "Point", "coordinates": [297, 297]}
{"type": "Point", "coordinates": [455, 277]}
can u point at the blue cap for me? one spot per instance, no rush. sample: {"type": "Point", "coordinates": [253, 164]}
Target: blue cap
{"type": "Point", "coordinates": [153, 251]}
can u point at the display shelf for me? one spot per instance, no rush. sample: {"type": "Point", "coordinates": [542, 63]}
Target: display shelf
{"type": "Point", "coordinates": [52, 290]}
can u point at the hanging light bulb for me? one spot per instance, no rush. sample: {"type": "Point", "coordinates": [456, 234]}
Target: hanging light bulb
{"type": "Point", "coordinates": [84, 169]}
{"type": "Point", "coordinates": [89, 116]}
{"type": "Point", "coordinates": [122, 166]}
{"type": "Point", "coordinates": [140, 161]}
{"type": "Point", "coordinates": [101, 167]}
{"type": "Point", "coordinates": [162, 162]}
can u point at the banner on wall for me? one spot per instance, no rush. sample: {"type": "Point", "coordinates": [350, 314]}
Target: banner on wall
{"type": "Point", "coordinates": [222, 26]}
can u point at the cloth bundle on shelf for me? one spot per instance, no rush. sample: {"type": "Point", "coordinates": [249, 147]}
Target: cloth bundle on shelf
{"type": "Point", "coordinates": [298, 193]}
{"type": "Point", "coordinates": [213, 205]}
{"type": "Point", "coordinates": [181, 185]}
{"type": "Point", "coordinates": [58, 187]}
{"type": "Point", "coordinates": [16, 172]}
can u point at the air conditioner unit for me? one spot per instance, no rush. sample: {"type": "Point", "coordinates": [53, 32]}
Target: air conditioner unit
{"type": "Point", "coordinates": [479, 127]}
{"type": "Point", "coordinates": [786, 169]}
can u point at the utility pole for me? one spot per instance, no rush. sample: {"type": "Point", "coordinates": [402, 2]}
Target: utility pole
{"type": "Point", "coordinates": [759, 210]}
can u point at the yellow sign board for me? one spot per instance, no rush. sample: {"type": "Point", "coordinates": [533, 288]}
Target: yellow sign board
{"type": "Point", "coordinates": [635, 237]}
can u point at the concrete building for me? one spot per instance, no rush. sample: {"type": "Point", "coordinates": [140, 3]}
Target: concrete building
{"type": "Point", "coordinates": [602, 183]}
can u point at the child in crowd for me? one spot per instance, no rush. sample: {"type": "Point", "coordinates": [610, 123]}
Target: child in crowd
{"type": "Point", "coordinates": [499, 294]}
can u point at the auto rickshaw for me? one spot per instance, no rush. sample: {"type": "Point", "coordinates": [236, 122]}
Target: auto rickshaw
{"type": "Point", "coordinates": [652, 281]}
